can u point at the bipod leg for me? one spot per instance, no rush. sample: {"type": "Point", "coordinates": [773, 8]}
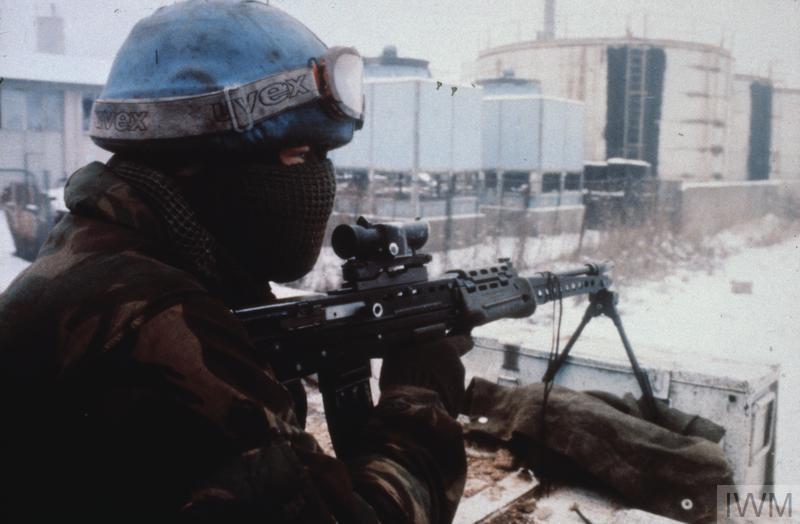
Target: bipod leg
{"type": "Point", "coordinates": [592, 310]}
{"type": "Point", "coordinates": [610, 310]}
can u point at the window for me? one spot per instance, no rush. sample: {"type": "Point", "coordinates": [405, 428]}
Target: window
{"type": "Point", "coordinates": [12, 109]}
{"type": "Point", "coordinates": [572, 182]}
{"type": "Point", "coordinates": [33, 110]}
{"type": "Point", "coordinates": [45, 111]}
{"type": "Point", "coordinates": [516, 181]}
{"type": "Point", "coordinates": [551, 182]}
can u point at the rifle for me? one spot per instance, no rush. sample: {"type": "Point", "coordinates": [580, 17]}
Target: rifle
{"type": "Point", "coordinates": [388, 302]}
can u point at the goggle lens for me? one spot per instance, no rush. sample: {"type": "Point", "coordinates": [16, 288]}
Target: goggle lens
{"type": "Point", "coordinates": [344, 69]}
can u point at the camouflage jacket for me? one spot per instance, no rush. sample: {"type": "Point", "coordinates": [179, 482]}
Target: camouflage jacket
{"type": "Point", "coordinates": [129, 390]}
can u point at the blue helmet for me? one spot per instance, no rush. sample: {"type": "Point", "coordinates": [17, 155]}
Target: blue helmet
{"type": "Point", "coordinates": [227, 76]}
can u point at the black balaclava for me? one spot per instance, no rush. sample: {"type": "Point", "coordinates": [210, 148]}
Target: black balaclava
{"type": "Point", "coordinates": [271, 217]}
{"type": "Point", "coordinates": [248, 222]}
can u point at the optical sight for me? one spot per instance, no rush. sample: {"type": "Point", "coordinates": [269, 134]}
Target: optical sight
{"type": "Point", "coordinates": [380, 243]}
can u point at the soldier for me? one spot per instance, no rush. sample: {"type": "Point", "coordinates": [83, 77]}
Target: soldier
{"type": "Point", "coordinates": [129, 388]}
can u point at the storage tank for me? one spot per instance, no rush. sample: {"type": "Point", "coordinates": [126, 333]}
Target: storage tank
{"type": "Point", "coordinates": [662, 101]}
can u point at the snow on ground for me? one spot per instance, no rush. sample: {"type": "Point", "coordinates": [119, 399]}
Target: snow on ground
{"type": "Point", "coordinates": [676, 301]}
{"type": "Point", "coordinates": [692, 311]}
{"type": "Point", "coordinates": [688, 307]}
{"type": "Point", "coordinates": [10, 266]}
{"type": "Point", "coordinates": [696, 308]}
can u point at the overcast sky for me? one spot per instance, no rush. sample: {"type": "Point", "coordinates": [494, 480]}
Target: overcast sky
{"type": "Point", "coordinates": [764, 35]}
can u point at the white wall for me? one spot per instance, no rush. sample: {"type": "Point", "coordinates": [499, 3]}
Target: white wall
{"type": "Point", "coordinates": [694, 113]}
{"type": "Point", "coordinates": [739, 129]}
{"type": "Point", "coordinates": [786, 134]}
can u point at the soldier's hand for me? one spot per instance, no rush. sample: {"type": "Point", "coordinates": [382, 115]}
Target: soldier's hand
{"type": "Point", "coordinates": [434, 365]}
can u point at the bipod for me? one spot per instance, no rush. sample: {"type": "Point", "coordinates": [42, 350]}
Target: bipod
{"type": "Point", "coordinates": [604, 302]}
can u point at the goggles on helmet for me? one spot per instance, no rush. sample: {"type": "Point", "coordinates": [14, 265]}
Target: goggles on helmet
{"type": "Point", "coordinates": [335, 79]}
{"type": "Point", "coordinates": [340, 79]}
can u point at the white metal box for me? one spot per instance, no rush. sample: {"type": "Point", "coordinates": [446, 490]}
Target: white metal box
{"type": "Point", "coordinates": [741, 397]}
{"type": "Point", "coordinates": [532, 133]}
{"type": "Point", "coordinates": [416, 124]}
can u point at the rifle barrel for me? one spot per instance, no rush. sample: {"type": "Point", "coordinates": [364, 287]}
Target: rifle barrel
{"type": "Point", "coordinates": [590, 278]}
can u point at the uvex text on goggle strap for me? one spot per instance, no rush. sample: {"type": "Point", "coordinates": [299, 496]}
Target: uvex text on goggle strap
{"type": "Point", "coordinates": [336, 79]}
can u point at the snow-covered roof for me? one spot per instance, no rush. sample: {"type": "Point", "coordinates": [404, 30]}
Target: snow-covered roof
{"type": "Point", "coordinates": [62, 69]}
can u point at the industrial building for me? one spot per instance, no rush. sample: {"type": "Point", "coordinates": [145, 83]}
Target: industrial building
{"type": "Point", "coordinates": [678, 105]}
{"type": "Point", "coordinates": [45, 109]}
{"type": "Point", "coordinates": [458, 153]}
{"type": "Point", "coordinates": [46, 98]}
{"type": "Point", "coordinates": [514, 134]}
{"type": "Point", "coordinates": [501, 132]}
{"type": "Point", "coordinates": [662, 101]}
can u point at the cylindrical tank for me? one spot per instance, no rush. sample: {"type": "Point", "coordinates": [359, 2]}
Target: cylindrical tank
{"type": "Point", "coordinates": [662, 101]}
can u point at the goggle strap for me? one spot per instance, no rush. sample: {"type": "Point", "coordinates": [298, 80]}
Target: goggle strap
{"type": "Point", "coordinates": [232, 112]}
{"type": "Point", "coordinates": [236, 108]}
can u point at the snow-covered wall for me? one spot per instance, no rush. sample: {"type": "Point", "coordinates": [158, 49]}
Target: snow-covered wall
{"type": "Point", "coordinates": [710, 207]}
